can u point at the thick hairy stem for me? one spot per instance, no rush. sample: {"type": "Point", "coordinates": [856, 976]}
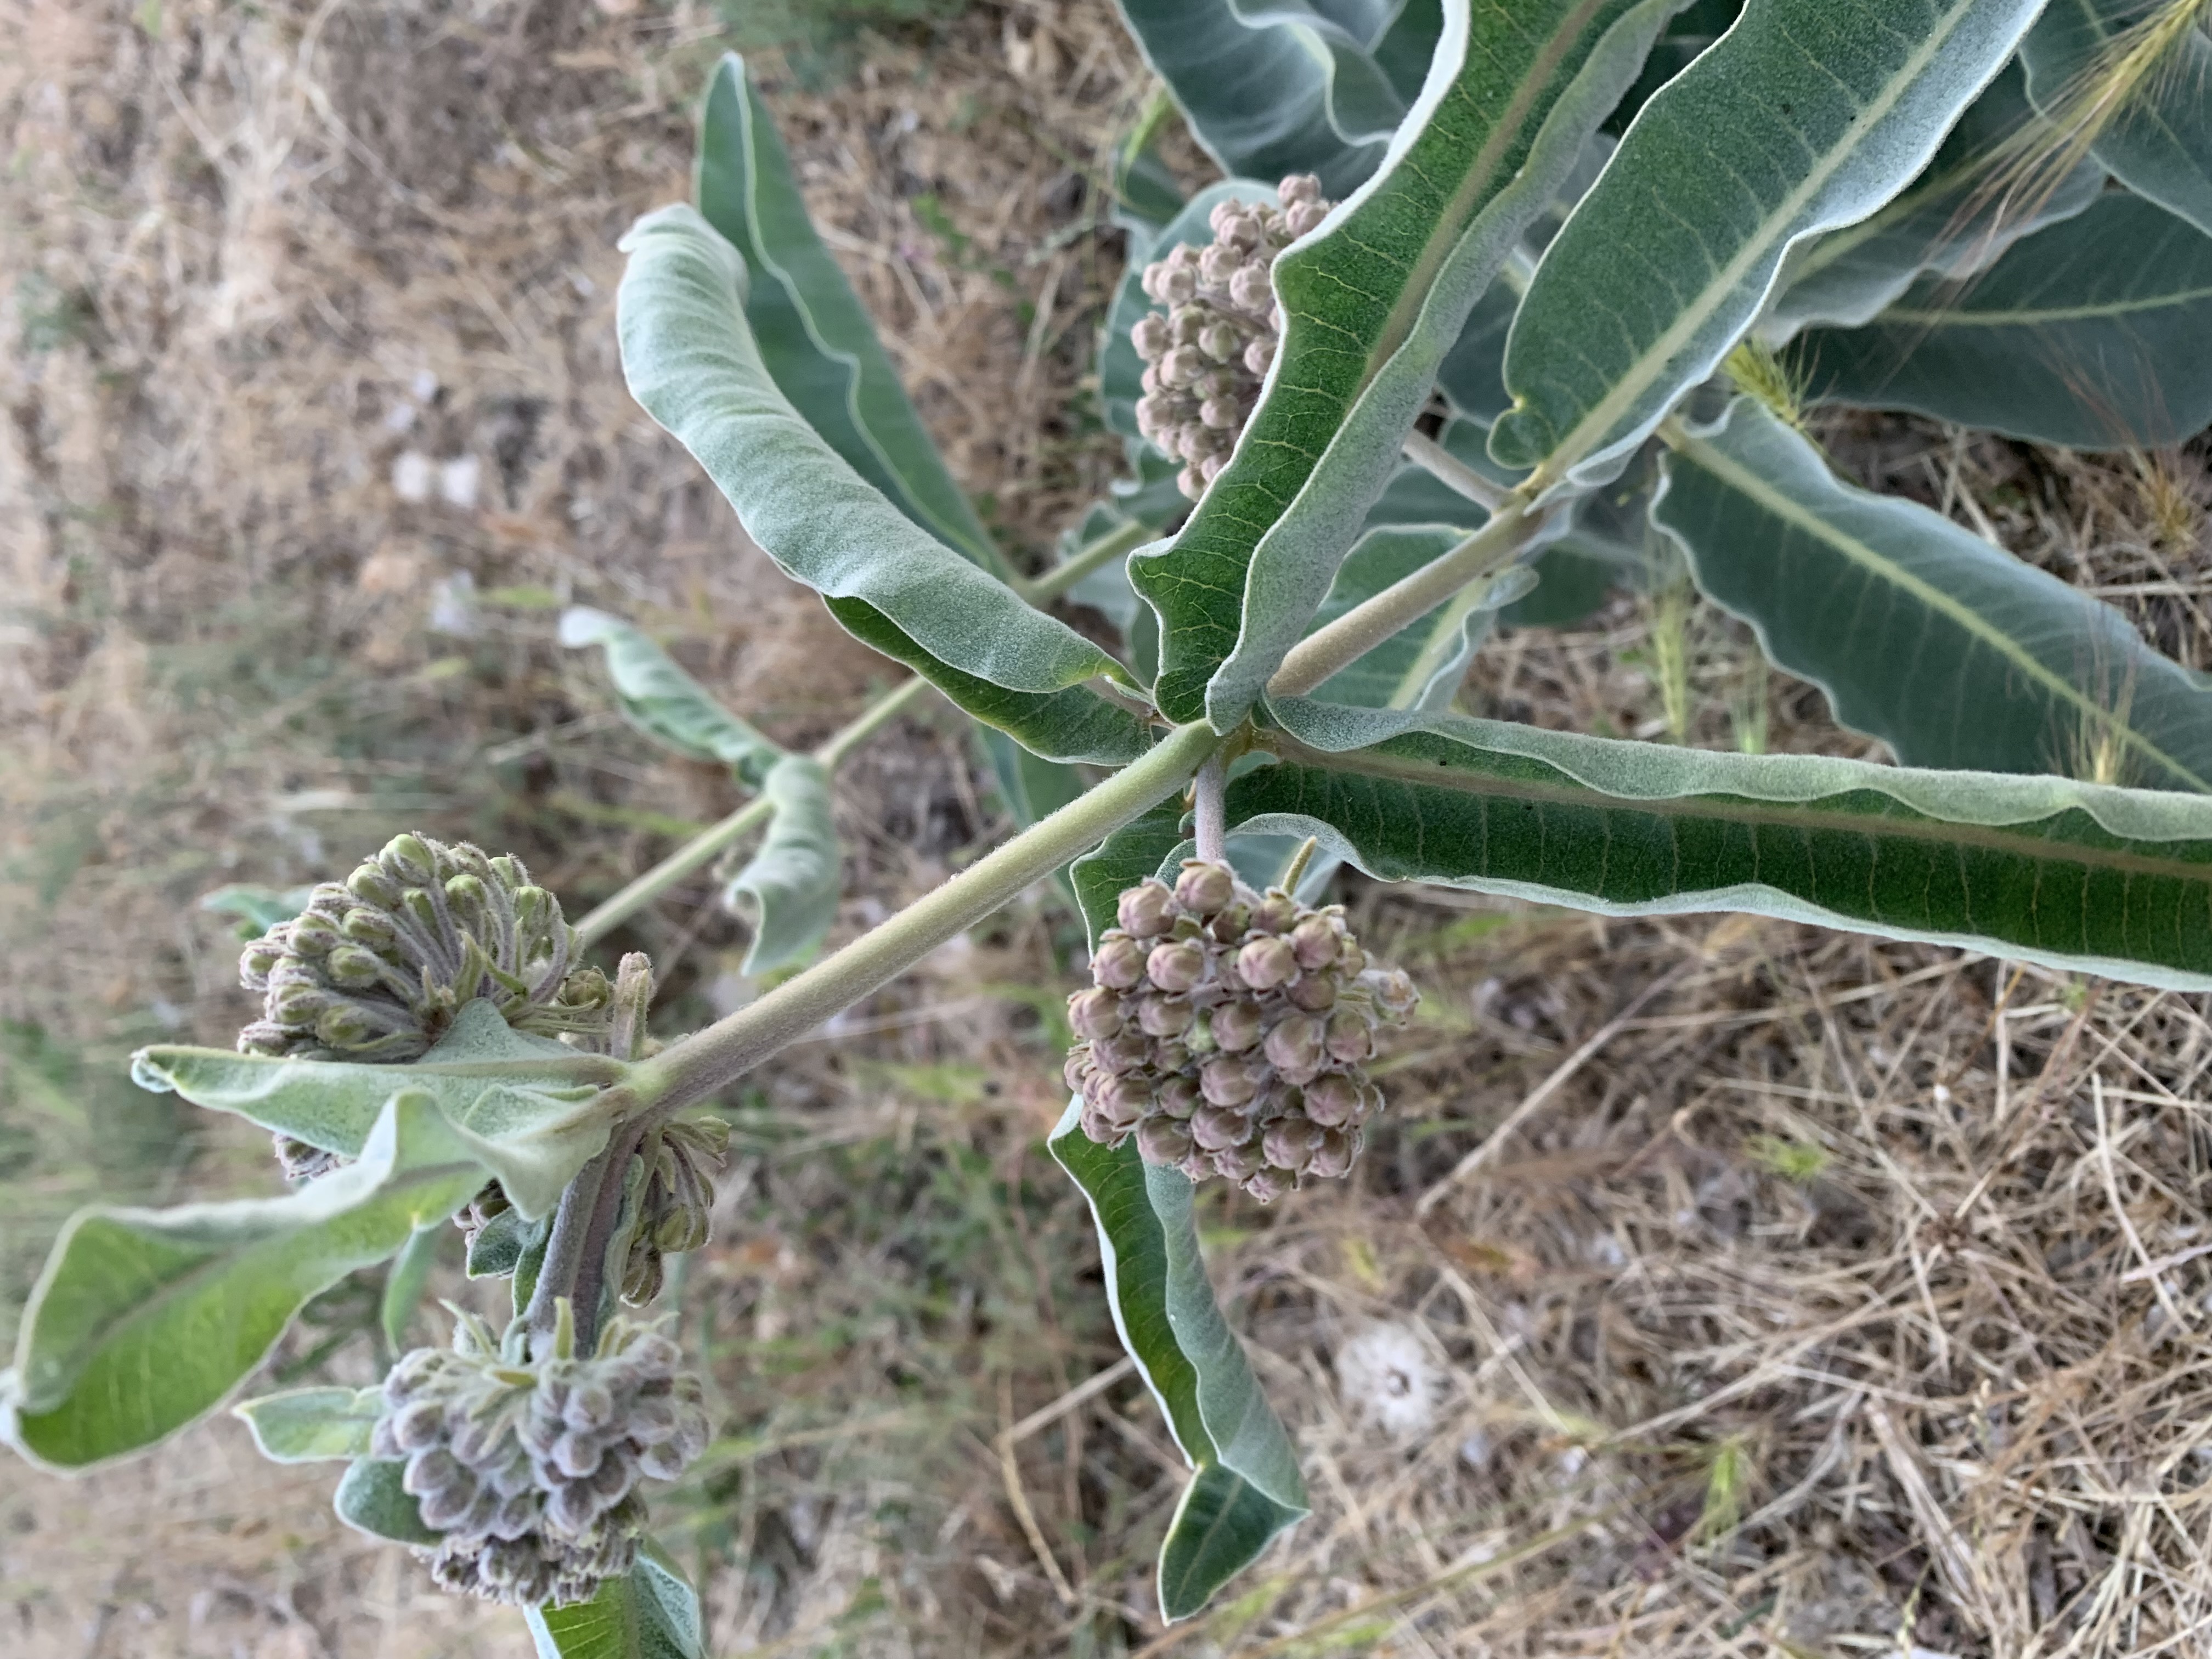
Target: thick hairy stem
{"type": "Point", "coordinates": [1209, 794]}
{"type": "Point", "coordinates": [710, 1060]}
{"type": "Point", "coordinates": [564, 1249]}
{"type": "Point", "coordinates": [590, 1283]}
{"type": "Point", "coordinates": [1114, 543]}
{"type": "Point", "coordinates": [706, 846]}
{"type": "Point", "coordinates": [1360, 629]}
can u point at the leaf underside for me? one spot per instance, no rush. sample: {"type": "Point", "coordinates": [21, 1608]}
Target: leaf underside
{"type": "Point", "coordinates": [2075, 876]}
{"type": "Point", "coordinates": [1953, 652]}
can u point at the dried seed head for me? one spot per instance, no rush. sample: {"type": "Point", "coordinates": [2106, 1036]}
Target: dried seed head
{"type": "Point", "coordinates": [1207, 358]}
{"type": "Point", "coordinates": [1229, 1036]}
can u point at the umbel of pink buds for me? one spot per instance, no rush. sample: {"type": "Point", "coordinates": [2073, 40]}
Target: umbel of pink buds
{"type": "Point", "coordinates": [1228, 1031]}
{"type": "Point", "coordinates": [377, 966]}
{"type": "Point", "coordinates": [530, 1469]}
{"type": "Point", "coordinates": [1207, 353]}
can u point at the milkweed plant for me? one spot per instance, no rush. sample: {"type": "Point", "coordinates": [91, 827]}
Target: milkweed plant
{"type": "Point", "coordinates": [1489, 302]}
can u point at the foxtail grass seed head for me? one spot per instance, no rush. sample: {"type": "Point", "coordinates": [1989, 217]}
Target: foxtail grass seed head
{"type": "Point", "coordinates": [1227, 1031]}
{"type": "Point", "coordinates": [530, 1466]}
{"type": "Point", "coordinates": [1207, 353]}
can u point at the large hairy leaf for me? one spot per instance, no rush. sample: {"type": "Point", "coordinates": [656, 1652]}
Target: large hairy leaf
{"type": "Point", "coordinates": [1075, 723]}
{"type": "Point", "coordinates": [1246, 1486]}
{"type": "Point", "coordinates": [143, 1320]}
{"type": "Point", "coordinates": [1979, 196]}
{"type": "Point", "coordinates": [2139, 74]}
{"type": "Point", "coordinates": [2075, 876]}
{"type": "Point", "coordinates": [2091, 334]}
{"type": "Point", "coordinates": [525, 1106]}
{"type": "Point", "coordinates": [1272, 87]}
{"type": "Point", "coordinates": [814, 335]}
{"type": "Point", "coordinates": [1951, 651]}
{"type": "Point", "coordinates": [651, 1614]}
{"type": "Point", "coordinates": [789, 886]}
{"type": "Point", "coordinates": [659, 698]}
{"type": "Point", "coordinates": [692, 363]}
{"type": "Point", "coordinates": [1807, 115]}
{"type": "Point", "coordinates": [1372, 301]}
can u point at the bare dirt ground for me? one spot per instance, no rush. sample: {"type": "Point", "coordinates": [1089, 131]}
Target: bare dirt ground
{"type": "Point", "coordinates": [1716, 1286]}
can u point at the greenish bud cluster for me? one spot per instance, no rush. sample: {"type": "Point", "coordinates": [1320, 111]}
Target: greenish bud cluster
{"type": "Point", "coordinates": [1207, 353]}
{"type": "Point", "coordinates": [377, 966]}
{"type": "Point", "coordinates": [530, 1469]}
{"type": "Point", "coordinates": [1229, 1030]}
{"type": "Point", "coordinates": [677, 1204]}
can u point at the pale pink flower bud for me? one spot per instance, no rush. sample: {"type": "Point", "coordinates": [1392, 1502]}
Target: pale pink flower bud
{"type": "Point", "coordinates": [1150, 335]}
{"type": "Point", "coordinates": [1226, 1082]}
{"type": "Point", "coordinates": [1303, 217]}
{"type": "Point", "coordinates": [1163, 1016]}
{"type": "Point", "coordinates": [1299, 187]}
{"type": "Point", "coordinates": [1349, 1040]}
{"type": "Point", "coordinates": [1315, 992]}
{"type": "Point", "coordinates": [1095, 1013]}
{"type": "Point", "coordinates": [1236, 1026]}
{"type": "Point", "coordinates": [1218, 342]}
{"type": "Point", "coordinates": [1240, 1164]}
{"type": "Point", "coordinates": [1119, 964]}
{"type": "Point", "coordinates": [1266, 963]}
{"type": "Point", "coordinates": [1216, 1128]}
{"type": "Point", "coordinates": [1163, 1140]}
{"type": "Point", "coordinates": [1289, 1142]}
{"type": "Point", "coordinates": [1294, 1048]}
{"type": "Point", "coordinates": [1146, 910]}
{"type": "Point", "coordinates": [1178, 1096]}
{"type": "Point", "coordinates": [1205, 886]}
{"type": "Point", "coordinates": [1249, 287]}
{"type": "Point", "coordinates": [1332, 1101]}
{"type": "Point", "coordinates": [1315, 939]}
{"type": "Point", "coordinates": [1333, 1156]}
{"type": "Point", "coordinates": [1175, 966]}
{"type": "Point", "coordinates": [1260, 354]}
{"type": "Point", "coordinates": [1192, 483]}
{"type": "Point", "coordinates": [1269, 1184]}
{"type": "Point", "coordinates": [1219, 413]}
{"type": "Point", "coordinates": [1218, 263]}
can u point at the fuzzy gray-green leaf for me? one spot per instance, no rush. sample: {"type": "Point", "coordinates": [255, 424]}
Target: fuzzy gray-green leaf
{"type": "Point", "coordinates": [1245, 1487]}
{"type": "Point", "coordinates": [1805, 116]}
{"type": "Point", "coordinates": [1372, 302]}
{"type": "Point", "coordinates": [2090, 334]}
{"type": "Point", "coordinates": [659, 698]}
{"type": "Point", "coordinates": [308, 1425]}
{"type": "Point", "coordinates": [2155, 57]}
{"type": "Point", "coordinates": [370, 1499]}
{"type": "Point", "coordinates": [789, 886]}
{"type": "Point", "coordinates": [143, 1320]}
{"type": "Point", "coordinates": [651, 1613]}
{"type": "Point", "coordinates": [2075, 876]}
{"type": "Point", "coordinates": [815, 337]}
{"type": "Point", "coordinates": [1951, 651]}
{"type": "Point", "coordinates": [692, 361]}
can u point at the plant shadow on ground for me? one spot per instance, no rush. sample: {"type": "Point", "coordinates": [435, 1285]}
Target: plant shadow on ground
{"type": "Point", "coordinates": [1848, 1297]}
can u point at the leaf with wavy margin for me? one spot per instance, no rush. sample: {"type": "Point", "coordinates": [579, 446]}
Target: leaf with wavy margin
{"type": "Point", "coordinates": [1951, 651]}
{"type": "Point", "coordinates": [143, 1320]}
{"type": "Point", "coordinates": [815, 336]}
{"type": "Point", "coordinates": [2075, 876]}
{"type": "Point", "coordinates": [2091, 334]}
{"type": "Point", "coordinates": [1669, 257]}
{"type": "Point", "coordinates": [1372, 302]}
{"type": "Point", "coordinates": [658, 697]}
{"type": "Point", "coordinates": [2159, 140]}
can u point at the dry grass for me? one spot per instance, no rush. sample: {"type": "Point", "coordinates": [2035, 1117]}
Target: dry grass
{"type": "Point", "coordinates": [1846, 1297]}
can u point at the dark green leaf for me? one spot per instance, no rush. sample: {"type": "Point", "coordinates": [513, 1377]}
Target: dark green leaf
{"type": "Point", "coordinates": [814, 335]}
{"type": "Point", "coordinates": [306, 1425]}
{"type": "Point", "coordinates": [653, 1613]}
{"type": "Point", "coordinates": [1951, 651]}
{"type": "Point", "coordinates": [370, 1500]}
{"type": "Point", "coordinates": [1372, 302]}
{"type": "Point", "coordinates": [663, 701]}
{"type": "Point", "coordinates": [2075, 876]}
{"type": "Point", "coordinates": [143, 1320]}
{"type": "Point", "coordinates": [1246, 1488]}
{"type": "Point", "coordinates": [693, 364]}
{"type": "Point", "coordinates": [789, 886]}
{"type": "Point", "coordinates": [2090, 334]}
{"type": "Point", "coordinates": [1805, 116]}
{"type": "Point", "coordinates": [1129, 855]}
{"type": "Point", "coordinates": [2139, 72]}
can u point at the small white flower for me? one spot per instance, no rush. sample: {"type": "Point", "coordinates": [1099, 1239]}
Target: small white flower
{"type": "Point", "coordinates": [1387, 1377]}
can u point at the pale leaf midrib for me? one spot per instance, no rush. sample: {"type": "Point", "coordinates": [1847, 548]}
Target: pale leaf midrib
{"type": "Point", "coordinates": [1739, 811]}
{"type": "Point", "coordinates": [1648, 367]}
{"type": "Point", "coordinates": [1770, 499]}
{"type": "Point", "coordinates": [2042, 316]}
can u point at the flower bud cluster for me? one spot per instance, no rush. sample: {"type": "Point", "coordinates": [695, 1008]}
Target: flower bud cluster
{"type": "Point", "coordinates": [377, 965]}
{"type": "Point", "coordinates": [1228, 1031]}
{"type": "Point", "coordinates": [1207, 353]}
{"type": "Point", "coordinates": [530, 1470]}
{"type": "Point", "coordinates": [677, 1203]}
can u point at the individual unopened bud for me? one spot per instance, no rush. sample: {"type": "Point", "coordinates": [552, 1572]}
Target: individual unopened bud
{"type": "Point", "coordinates": [1076, 1069]}
{"type": "Point", "coordinates": [1236, 1026]}
{"type": "Point", "coordinates": [255, 962]}
{"type": "Point", "coordinates": [1217, 264]}
{"type": "Point", "coordinates": [1289, 1142]}
{"type": "Point", "coordinates": [1192, 481]}
{"type": "Point", "coordinates": [1205, 885]}
{"type": "Point", "coordinates": [1210, 468]}
{"type": "Point", "coordinates": [1350, 1039]}
{"type": "Point", "coordinates": [372, 884]}
{"type": "Point", "coordinates": [1177, 966]}
{"type": "Point", "coordinates": [1303, 217]}
{"type": "Point", "coordinates": [1220, 342]}
{"type": "Point", "coordinates": [1096, 1013]}
{"type": "Point", "coordinates": [1314, 940]}
{"type": "Point", "coordinates": [1315, 992]}
{"type": "Point", "coordinates": [1260, 355]}
{"type": "Point", "coordinates": [1332, 1100]}
{"type": "Point", "coordinates": [1249, 288]}
{"type": "Point", "coordinates": [1274, 913]}
{"type": "Point", "coordinates": [1271, 1183]}
{"type": "Point", "coordinates": [1150, 335]}
{"type": "Point", "coordinates": [1240, 1164]}
{"type": "Point", "coordinates": [1220, 414]}
{"type": "Point", "coordinates": [1163, 1016]}
{"type": "Point", "coordinates": [354, 968]}
{"type": "Point", "coordinates": [1164, 1141]}
{"type": "Point", "coordinates": [1177, 1097]}
{"type": "Point", "coordinates": [1266, 963]}
{"type": "Point", "coordinates": [1334, 1154]}
{"type": "Point", "coordinates": [1146, 910]}
{"type": "Point", "coordinates": [407, 858]}
{"type": "Point", "coordinates": [1214, 1128]}
{"type": "Point", "coordinates": [1299, 187]}
{"type": "Point", "coordinates": [1182, 365]}
{"type": "Point", "coordinates": [314, 936]}
{"type": "Point", "coordinates": [1295, 1047]}
{"type": "Point", "coordinates": [1120, 963]}
{"type": "Point", "coordinates": [1124, 1052]}
{"type": "Point", "coordinates": [1226, 1081]}
{"type": "Point", "coordinates": [1394, 990]}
